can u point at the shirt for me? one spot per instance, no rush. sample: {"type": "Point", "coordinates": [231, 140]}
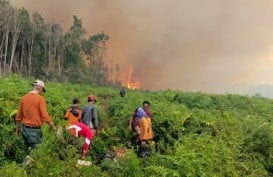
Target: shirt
{"type": "Point", "coordinates": [135, 120]}
{"type": "Point", "coordinates": [32, 110]}
{"type": "Point", "coordinates": [90, 116]}
{"type": "Point", "coordinates": [71, 117]}
{"type": "Point", "coordinates": [79, 129]}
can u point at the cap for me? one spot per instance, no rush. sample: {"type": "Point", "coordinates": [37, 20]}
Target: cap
{"type": "Point", "coordinates": [39, 83]}
{"type": "Point", "coordinates": [141, 113]}
{"type": "Point", "coordinates": [92, 98]}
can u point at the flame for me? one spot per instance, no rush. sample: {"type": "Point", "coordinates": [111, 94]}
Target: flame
{"type": "Point", "coordinates": [129, 82]}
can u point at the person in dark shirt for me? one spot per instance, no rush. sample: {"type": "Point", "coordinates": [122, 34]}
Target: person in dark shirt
{"type": "Point", "coordinates": [90, 115]}
{"type": "Point", "coordinates": [122, 92]}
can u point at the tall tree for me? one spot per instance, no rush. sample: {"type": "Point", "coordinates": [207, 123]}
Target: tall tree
{"type": "Point", "coordinates": [37, 48]}
{"type": "Point", "coordinates": [73, 62]}
{"type": "Point", "coordinates": [5, 18]}
{"type": "Point", "coordinates": [16, 27]}
{"type": "Point", "coordinates": [95, 50]}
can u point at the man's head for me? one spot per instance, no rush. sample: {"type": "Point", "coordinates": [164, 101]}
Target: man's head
{"type": "Point", "coordinates": [91, 98]}
{"type": "Point", "coordinates": [39, 86]}
{"type": "Point", "coordinates": [146, 105]}
{"type": "Point", "coordinates": [76, 101]}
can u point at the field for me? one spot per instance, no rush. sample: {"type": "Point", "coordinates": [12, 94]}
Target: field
{"type": "Point", "coordinates": [196, 134]}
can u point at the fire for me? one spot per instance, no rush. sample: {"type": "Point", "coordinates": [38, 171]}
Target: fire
{"type": "Point", "coordinates": [130, 82]}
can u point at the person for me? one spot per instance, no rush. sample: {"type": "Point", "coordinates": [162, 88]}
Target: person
{"type": "Point", "coordinates": [145, 132]}
{"type": "Point", "coordinates": [74, 112]}
{"type": "Point", "coordinates": [89, 114]}
{"type": "Point", "coordinates": [146, 105]}
{"type": "Point", "coordinates": [122, 92]}
{"type": "Point", "coordinates": [32, 113]}
{"type": "Point", "coordinates": [78, 129]}
{"type": "Point", "coordinates": [133, 123]}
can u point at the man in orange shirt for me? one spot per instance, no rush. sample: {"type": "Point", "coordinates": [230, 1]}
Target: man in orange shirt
{"type": "Point", "coordinates": [31, 114]}
{"type": "Point", "coordinates": [73, 113]}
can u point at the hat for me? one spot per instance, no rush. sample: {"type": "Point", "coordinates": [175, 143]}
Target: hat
{"type": "Point", "coordinates": [141, 113]}
{"type": "Point", "coordinates": [39, 83]}
{"type": "Point", "coordinates": [92, 98]}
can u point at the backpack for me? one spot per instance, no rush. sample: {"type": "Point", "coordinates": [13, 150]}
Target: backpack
{"type": "Point", "coordinates": [74, 111]}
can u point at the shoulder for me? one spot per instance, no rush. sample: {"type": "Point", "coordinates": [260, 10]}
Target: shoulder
{"type": "Point", "coordinates": [75, 107]}
{"type": "Point", "coordinates": [34, 96]}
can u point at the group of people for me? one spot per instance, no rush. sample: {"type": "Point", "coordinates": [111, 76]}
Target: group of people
{"type": "Point", "coordinates": [32, 113]}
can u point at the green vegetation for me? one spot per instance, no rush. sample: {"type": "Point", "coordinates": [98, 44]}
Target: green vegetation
{"type": "Point", "coordinates": [196, 134]}
{"type": "Point", "coordinates": [31, 47]}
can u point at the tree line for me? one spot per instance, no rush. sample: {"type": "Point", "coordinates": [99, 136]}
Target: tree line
{"type": "Point", "coordinates": [33, 48]}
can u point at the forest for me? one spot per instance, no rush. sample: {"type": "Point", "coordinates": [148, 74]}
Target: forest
{"type": "Point", "coordinates": [33, 48]}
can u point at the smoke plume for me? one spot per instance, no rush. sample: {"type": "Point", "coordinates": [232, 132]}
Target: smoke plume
{"type": "Point", "coordinates": [210, 46]}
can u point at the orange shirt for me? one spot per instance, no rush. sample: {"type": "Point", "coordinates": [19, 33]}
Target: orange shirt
{"type": "Point", "coordinates": [32, 110]}
{"type": "Point", "coordinates": [71, 118]}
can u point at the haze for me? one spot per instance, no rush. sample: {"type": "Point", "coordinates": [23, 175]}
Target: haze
{"type": "Point", "coordinates": [213, 46]}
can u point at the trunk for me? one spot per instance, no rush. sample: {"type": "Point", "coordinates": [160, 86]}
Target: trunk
{"type": "Point", "coordinates": [15, 33]}
{"type": "Point", "coordinates": [1, 54]}
{"type": "Point", "coordinates": [13, 47]}
{"type": "Point", "coordinates": [22, 59]}
{"type": "Point", "coordinates": [2, 47]}
{"type": "Point", "coordinates": [30, 56]}
{"type": "Point", "coordinates": [6, 51]}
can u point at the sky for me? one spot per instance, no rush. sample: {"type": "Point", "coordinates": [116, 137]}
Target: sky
{"type": "Point", "coordinates": [213, 46]}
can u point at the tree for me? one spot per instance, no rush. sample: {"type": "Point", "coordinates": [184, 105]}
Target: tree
{"type": "Point", "coordinates": [94, 49]}
{"type": "Point", "coordinates": [5, 18]}
{"type": "Point", "coordinates": [73, 60]}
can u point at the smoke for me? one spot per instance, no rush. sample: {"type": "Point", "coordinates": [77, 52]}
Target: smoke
{"type": "Point", "coordinates": [210, 46]}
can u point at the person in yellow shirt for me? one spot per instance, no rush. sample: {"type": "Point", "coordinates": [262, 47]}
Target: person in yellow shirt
{"type": "Point", "coordinates": [73, 113]}
{"type": "Point", "coordinates": [146, 134]}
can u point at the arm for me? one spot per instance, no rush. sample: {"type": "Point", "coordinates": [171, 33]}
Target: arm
{"type": "Point", "coordinates": [44, 114]}
{"type": "Point", "coordinates": [130, 124]}
{"type": "Point", "coordinates": [67, 114]}
{"type": "Point", "coordinates": [82, 116]}
{"type": "Point", "coordinates": [52, 125]}
{"type": "Point", "coordinates": [95, 118]}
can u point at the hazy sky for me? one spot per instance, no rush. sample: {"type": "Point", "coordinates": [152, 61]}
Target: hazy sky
{"type": "Point", "coordinates": [192, 45]}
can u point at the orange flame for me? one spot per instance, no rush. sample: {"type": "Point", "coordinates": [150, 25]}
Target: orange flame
{"type": "Point", "coordinates": [129, 82]}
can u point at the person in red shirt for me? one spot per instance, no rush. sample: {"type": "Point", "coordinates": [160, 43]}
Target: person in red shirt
{"type": "Point", "coordinates": [79, 129]}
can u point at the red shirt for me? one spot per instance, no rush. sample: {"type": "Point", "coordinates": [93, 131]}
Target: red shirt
{"type": "Point", "coordinates": [79, 129]}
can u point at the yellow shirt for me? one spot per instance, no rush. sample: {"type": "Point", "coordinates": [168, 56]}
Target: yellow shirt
{"type": "Point", "coordinates": [146, 131]}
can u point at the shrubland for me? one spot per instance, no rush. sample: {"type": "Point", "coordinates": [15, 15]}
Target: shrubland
{"type": "Point", "coordinates": [196, 134]}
